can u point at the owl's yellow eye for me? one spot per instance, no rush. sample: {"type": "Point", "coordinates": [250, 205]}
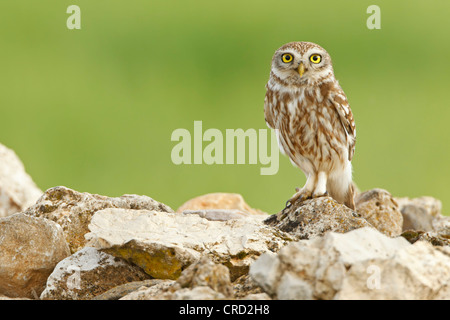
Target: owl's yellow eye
{"type": "Point", "coordinates": [287, 57]}
{"type": "Point", "coordinates": [315, 58]}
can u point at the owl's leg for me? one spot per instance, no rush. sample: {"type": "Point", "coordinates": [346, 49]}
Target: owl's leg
{"type": "Point", "coordinates": [321, 186]}
{"type": "Point", "coordinates": [305, 192]}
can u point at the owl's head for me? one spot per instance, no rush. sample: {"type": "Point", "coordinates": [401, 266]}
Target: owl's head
{"type": "Point", "coordinates": [301, 63]}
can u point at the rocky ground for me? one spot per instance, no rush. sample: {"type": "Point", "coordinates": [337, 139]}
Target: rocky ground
{"type": "Point", "coordinates": [64, 244]}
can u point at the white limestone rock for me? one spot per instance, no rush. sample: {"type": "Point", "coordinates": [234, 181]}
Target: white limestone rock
{"type": "Point", "coordinates": [17, 189]}
{"type": "Point", "coordinates": [88, 273]}
{"type": "Point", "coordinates": [73, 210]}
{"type": "Point", "coordinates": [164, 244]}
{"type": "Point", "coordinates": [360, 264]}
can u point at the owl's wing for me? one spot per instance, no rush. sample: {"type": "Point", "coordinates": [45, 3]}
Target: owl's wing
{"type": "Point", "coordinates": [268, 111]}
{"type": "Point", "coordinates": [346, 117]}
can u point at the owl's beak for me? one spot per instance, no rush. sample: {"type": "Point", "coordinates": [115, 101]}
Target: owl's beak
{"type": "Point", "coordinates": [301, 69]}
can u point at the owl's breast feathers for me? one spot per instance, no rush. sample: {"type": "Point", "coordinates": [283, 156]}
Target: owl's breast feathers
{"type": "Point", "coordinates": [313, 122]}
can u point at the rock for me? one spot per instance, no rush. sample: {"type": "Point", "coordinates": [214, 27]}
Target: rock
{"type": "Point", "coordinates": [73, 210]}
{"type": "Point", "coordinates": [419, 272]}
{"type": "Point", "coordinates": [266, 272]}
{"type": "Point", "coordinates": [164, 244]}
{"type": "Point", "coordinates": [124, 289]}
{"type": "Point", "coordinates": [88, 273]}
{"type": "Point", "coordinates": [8, 298]}
{"type": "Point", "coordinates": [230, 201]}
{"type": "Point", "coordinates": [314, 217]}
{"type": "Point", "coordinates": [292, 287]}
{"type": "Point", "coordinates": [207, 273]}
{"type": "Point", "coordinates": [149, 292]}
{"type": "Point", "coordinates": [204, 274]}
{"type": "Point", "coordinates": [431, 205]}
{"type": "Point", "coordinates": [30, 248]}
{"type": "Point", "coordinates": [441, 225]}
{"type": "Point", "coordinates": [17, 189]}
{"type": "Point", "coordinates": [379, 208]}
{"type": "Point", "coordinates": [416, 218]}
{"type": "Point", "coordinates": [244, 287]}
{"type": "Point", "coordinates": [218, 214]}
{"type": "Point", "coordinates": [202, 280]}
{"type": "Point", "coordinates": [432, 237]}
{"type": "Point", "coordinates": [360, 264]}
{"type": "Point", "coordinates": [257, 296]}
{"type": "Point", "coordinates": [419, 213]}
{"type": "Point", "coordinates": [196, 293]}
{"type": "Point", "coordinates": [422, 220]}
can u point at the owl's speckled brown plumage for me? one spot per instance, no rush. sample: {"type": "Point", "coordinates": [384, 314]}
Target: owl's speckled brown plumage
{"type": "Point", "coordinates": [313, 120]}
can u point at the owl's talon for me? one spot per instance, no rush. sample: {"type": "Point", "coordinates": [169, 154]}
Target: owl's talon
{"type": "Point", "coordinates": [288, 204]}
{"type": "Point", "coordinates": [315, 195]}
{"type": "Point", "coordinates": [300, 196]}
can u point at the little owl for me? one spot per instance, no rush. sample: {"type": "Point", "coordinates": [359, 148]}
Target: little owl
{"type": "Point", "coordinates": [315, 126]}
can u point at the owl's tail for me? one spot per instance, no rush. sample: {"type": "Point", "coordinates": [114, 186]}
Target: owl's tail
{"type": "Point", "coordinates": [350, 197]}
{"type": "Point", "coordinates": [340, 187]}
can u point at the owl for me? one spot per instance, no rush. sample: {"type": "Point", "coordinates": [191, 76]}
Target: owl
{"type": "Point", "coordinates": [313, 121]}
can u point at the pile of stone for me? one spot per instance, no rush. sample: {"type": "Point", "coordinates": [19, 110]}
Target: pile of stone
{"type": "Point", "coordinates": [65, 244]}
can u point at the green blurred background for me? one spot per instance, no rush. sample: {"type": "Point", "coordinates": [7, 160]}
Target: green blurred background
{"type": "Point", "coordinates": [94, 109]}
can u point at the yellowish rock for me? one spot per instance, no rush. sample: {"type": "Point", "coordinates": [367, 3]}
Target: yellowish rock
{"type": "Point", "coordinates": [30, 248]}
{"type": "Point", "coordinates": [380, 209]}
{"type": "Point", "coordinates": [231, 201]}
